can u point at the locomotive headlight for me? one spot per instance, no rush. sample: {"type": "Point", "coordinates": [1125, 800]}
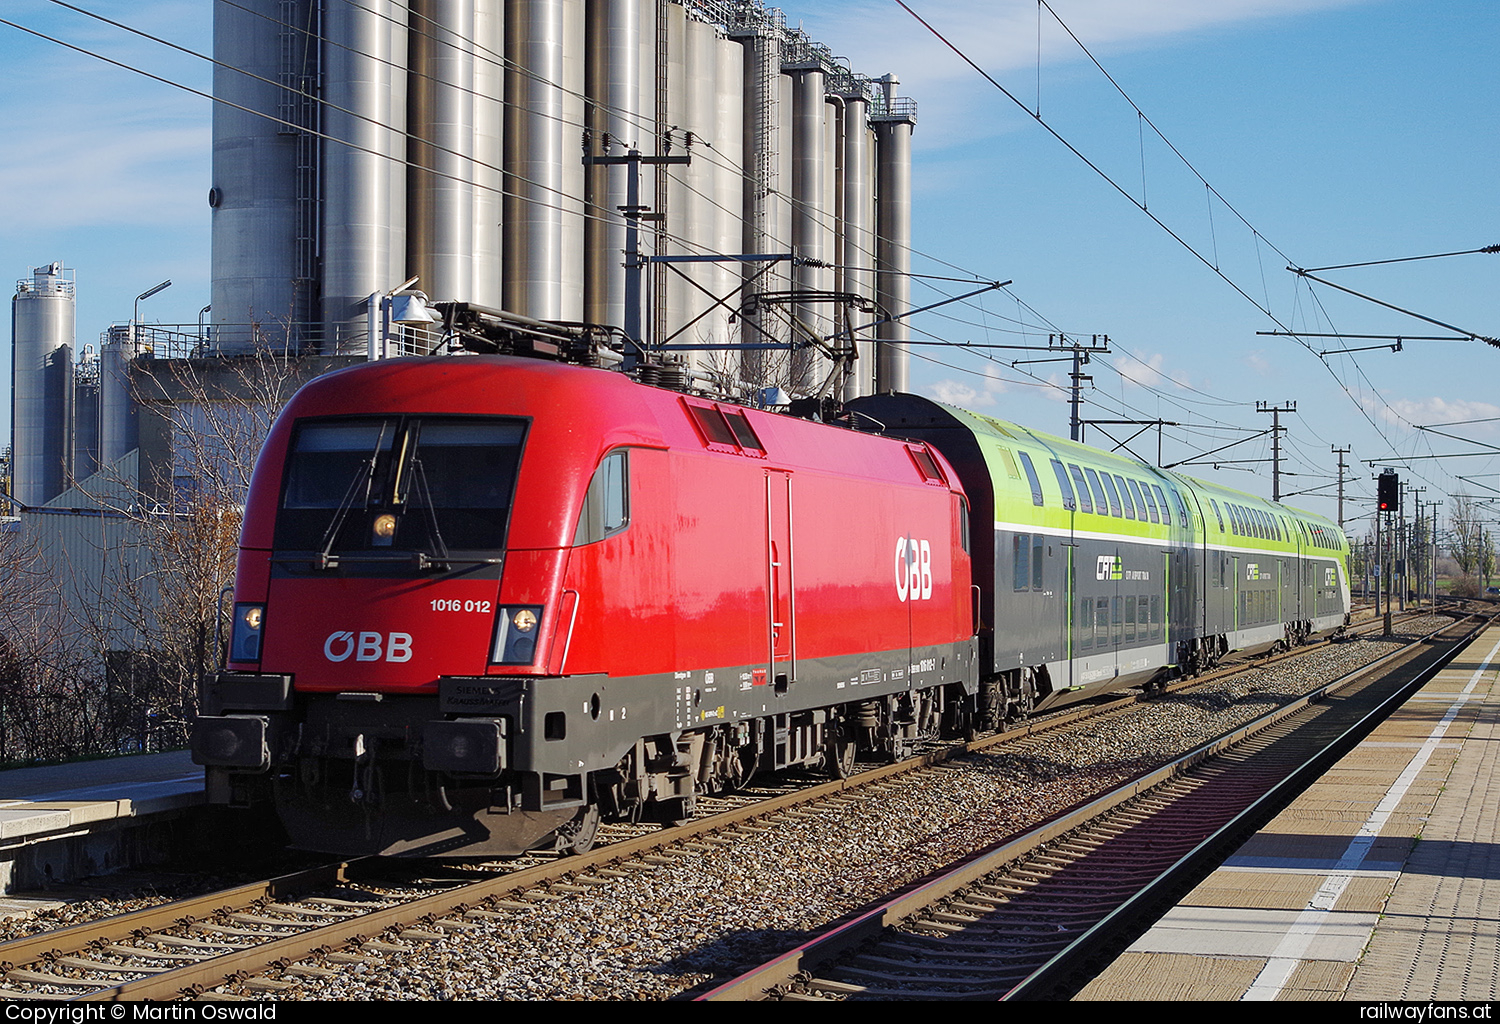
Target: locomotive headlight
{"type": "Point", "coordinates": [516, 628]}
{"type": "Point", "coordinates": [384, 528]}
{"type": "Point", "coordinates": [244, 636]}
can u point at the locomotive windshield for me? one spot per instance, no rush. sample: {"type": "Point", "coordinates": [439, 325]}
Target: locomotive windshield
{"type": "Point", "coordinates": [381, 489]}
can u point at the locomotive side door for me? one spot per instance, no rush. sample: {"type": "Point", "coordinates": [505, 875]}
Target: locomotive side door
{"type": "Point", "coordinates": [781, 602]}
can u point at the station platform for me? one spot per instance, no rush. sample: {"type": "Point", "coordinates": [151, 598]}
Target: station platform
{"type": "Point", "coordinates": [63, 822]}
{"type": "Point", "coordinates": [1381, 882]}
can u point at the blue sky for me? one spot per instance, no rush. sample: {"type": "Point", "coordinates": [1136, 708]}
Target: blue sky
{"type": "Point", "coordinates": [1342, 131]}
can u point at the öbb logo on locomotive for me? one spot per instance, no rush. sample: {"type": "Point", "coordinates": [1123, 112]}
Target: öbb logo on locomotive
{"type": "Point", "coordinates": [913, 569]}
{"type": "Point", "coordinates": [341, 644]}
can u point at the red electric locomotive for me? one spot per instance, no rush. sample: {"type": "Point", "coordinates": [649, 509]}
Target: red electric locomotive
{"type": "Point", "coordinates": [483, 602]}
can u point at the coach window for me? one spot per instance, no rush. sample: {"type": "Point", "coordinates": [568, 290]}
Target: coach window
{"type": "Point", "coordinates": [1140, 504]}
{"type": "Point", "coordinates": [1063, 485]}
{"type": "Point", "coordinates": [1036, 484]}
{"type": "Point", "coordinates": [1115, 495]}
{"type": "Point", "coordinates": [1021, 548]}
{"type": "Point", "coordinates": [1125, 499]}
{"type": "Point", "coordinates": [1100, 504]}
{"type": "Point", "coordinates": [1182, 508]}
{"type": "Point", "coordinates": [1038, 542]}
{"type": "Point", "coordinates": [1082, 487]}
{"type": "Point", "coordinates": [606, 505]}
{"type": "Point", "coordinates": [1217, 514]}
{"type": "Point", "coordinates": [1161, 501]}
{"type": "Point", "coordinates": [1150, 502]}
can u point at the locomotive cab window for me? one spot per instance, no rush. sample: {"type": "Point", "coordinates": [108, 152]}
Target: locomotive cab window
{"type": "Point", "coordinates": [374, 490]}
{"type": "Point", "coordinates": [606, 505]}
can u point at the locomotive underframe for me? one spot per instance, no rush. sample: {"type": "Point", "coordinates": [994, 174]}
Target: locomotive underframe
{"type": "Point", "coordinates": [570, 749]}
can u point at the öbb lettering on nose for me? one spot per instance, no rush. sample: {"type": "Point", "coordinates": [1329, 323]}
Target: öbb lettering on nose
{"type": "Point", "coordinates": [342, 644]}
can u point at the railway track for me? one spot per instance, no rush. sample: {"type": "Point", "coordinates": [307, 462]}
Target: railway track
{"type": "Point", "coordinates": [307, 925]}
{"type": "Point", "coordinates": [1023, 918]}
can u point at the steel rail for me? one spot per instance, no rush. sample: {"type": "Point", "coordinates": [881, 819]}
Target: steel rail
{"type": "Point", "coordinates": [854, 930]}
{"type": "Point", "coordinates": [215, 970]}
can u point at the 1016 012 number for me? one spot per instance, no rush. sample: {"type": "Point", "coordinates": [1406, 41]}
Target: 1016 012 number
{"type": "Point", "coordinates": [453, 604]}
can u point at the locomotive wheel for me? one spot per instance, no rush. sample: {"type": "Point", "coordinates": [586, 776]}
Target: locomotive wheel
{"type": "Point", "coordinates": [577, 836]}
{"type": "Point", "coordinates": [841, 754]}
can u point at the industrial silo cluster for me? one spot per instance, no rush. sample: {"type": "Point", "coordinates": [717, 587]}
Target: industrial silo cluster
{"type": "Point", "coordinates": [71, 413]}
{"type": "Point", "coordinates": [498, 151]}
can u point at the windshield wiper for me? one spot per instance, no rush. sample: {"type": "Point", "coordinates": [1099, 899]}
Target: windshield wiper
{"type": "Point", "coordinates": [326, 559]}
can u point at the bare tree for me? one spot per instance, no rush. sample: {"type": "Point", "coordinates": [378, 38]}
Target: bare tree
{"type": "Point", "coordinates": [1472, 547]}
{"type": "Point", "coordinates": [51, 705]}
{"type": "Point", "coordinates": [203, 422]}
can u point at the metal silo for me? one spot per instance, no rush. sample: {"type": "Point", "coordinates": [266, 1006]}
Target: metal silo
{"type": "Point", "coordinates": [570, 270]}
{"type": "Point", "coordinates": [118, 425]}
{"type": "Point", "coordinates": [440, 208]}
{"type": "Point", "coordinates": [364, 164]}
{"type": "Point", "coordinates": [698, 318]}
{"type": "Point", "coordinates": [857, 237]}
{"type": "Point", "coordinates": [42, 385]}
{"type": "Point", "coordinates": [760, 133]}
{"type": "Point", "coordinates": [893, 127]}
{"type": "Point", "coordinates": [263, 203]}
{"type": "Point", "coordinates": [534, 155]}
{"type": "Point", "coordinates": [86, 415]}
{"type": "Point", "coordinates": [727, 160]}
{"type": "Point", "coordinates": [489, 151]}
{"type": "Point", "coordinates": [807, 210]}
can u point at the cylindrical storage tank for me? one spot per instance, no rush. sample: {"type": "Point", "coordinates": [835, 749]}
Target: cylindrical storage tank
{"type": "Point", "coordinates": [262, 55]}
{"type": "Point", "coordinates": [41, 426]}
{"type": "Point", "coordinates": [534, 135]}
{"type": "Point", "coordinates": [761, 133]}
{"type": "Point", "coordinates": [857, 236]}
{"type": "Point", "coordinates": [781, 279]}
{"type": "Point", "coordinates": [727, 157]}
{"type": "Point", "coordinates": [698, 318]}
{"type": "Point", "coordinates": [119, 431]}
{"type": "Point", "coordinates": [440, 205]}
{"type": "Point", "coordinates": [364, 181]}
{"type": "Point", "coordinates": [570, 250]}
{"type": "Point", "coordinates": [614, 116]}
{"type": "Point", "coordinates": [86, 416]}
{"type": "Point", "coordinates": [489, 153]}
{"type": "Point", "coordinates": [671, 198]}
{"type": "Point", "coordinates": [807, 217]}
{"type": "Point", "coordinates": [893, 225]}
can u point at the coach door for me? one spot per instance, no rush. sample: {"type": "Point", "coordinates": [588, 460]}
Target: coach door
{"type": "Point", "coordinates": [781, 602]}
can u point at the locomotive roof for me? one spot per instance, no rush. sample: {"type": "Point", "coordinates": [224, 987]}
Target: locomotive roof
{"type": "Point", "coordinates": [577, 414]}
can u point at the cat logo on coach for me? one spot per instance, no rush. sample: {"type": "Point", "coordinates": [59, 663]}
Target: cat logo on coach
{"type": "Point", "coordinates": [1109, 567]}
{"type": "Point", "coordinates": [913, 569]}
{"type": "Point", "coordinates": [369, 647]}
